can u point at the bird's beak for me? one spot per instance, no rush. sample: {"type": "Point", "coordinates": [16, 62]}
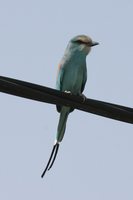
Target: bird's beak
{"type": "Point", "coordinates": [94, 43]}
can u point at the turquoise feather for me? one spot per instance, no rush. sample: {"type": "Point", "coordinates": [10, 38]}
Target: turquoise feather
{"type": "Point", "coordinates": [71, 76]}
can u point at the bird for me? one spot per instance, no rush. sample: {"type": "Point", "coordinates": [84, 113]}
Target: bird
{"type": "Point", "coordinates": [71, 78]}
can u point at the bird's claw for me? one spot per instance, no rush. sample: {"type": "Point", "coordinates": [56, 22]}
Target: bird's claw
{"type": "Point", "coordinates": [83, 97]}
{"type": "Point", "coordinates": [68, 92]}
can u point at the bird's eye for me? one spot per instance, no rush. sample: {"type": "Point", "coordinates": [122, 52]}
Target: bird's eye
{"type": "Point", "coordinates": [79, 42]}
{"type": "Point", "coordinates": [82, 42]}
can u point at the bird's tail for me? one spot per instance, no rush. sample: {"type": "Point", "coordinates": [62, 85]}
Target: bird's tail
{"type": "Point", "coordinates": [62, 123]}
{"type": "Point", "coordinates": [60, 133]}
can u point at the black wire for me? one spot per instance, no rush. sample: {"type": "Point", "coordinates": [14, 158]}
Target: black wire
{"type": "Point", "coordinates": [52, 96]}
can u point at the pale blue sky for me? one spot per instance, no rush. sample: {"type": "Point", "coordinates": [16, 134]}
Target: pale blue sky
{"type": "Point", "coordinates": [95, 160]}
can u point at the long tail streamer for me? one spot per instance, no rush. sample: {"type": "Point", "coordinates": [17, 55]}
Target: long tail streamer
{"type": "Point", "coordinates": [51, 159]}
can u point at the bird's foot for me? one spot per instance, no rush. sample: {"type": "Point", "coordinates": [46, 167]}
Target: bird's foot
{"type": "Point", "coordinates": [83, 97]}
{"type": "Point", "coordinates": [68, 92]}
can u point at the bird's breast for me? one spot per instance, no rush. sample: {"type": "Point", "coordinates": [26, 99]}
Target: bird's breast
{"type": "Point", "coordinates": [73, 78]}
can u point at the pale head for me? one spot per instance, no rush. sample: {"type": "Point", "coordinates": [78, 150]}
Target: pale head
{"type": "Point", "coordinates": [82, 43]}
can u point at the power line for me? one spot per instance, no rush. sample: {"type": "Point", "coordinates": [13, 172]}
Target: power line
{"type": "Point", "coordinates": [52, 96]}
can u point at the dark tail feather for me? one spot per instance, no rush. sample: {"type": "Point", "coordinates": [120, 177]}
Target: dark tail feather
{"type": "Point", "coordinates": [56, 151]}
{"type": "Point", "coordinates": [51, 159]}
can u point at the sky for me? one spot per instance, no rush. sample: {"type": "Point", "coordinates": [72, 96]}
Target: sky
{"type": "Point", "coordinates": [95, 158]}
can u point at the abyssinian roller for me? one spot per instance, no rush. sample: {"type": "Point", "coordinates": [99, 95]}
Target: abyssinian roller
{"type": "Point", "coordinates": [71, 78]}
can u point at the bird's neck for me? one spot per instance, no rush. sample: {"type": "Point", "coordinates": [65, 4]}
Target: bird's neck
{"type": "Point", "coordinates": [72, 54]}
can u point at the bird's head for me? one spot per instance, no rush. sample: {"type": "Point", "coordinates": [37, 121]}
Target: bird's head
{"type": "Point", "coordinates": [82, 43]}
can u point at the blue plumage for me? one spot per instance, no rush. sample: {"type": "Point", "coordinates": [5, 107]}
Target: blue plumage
{"type": "Point", "coordinates": [71, 77]}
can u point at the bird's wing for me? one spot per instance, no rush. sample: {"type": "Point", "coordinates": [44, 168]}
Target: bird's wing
{"type": "Point", "coordinates": [84, 79]}
{"type": "Point", "coordinates": [59, 79]}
